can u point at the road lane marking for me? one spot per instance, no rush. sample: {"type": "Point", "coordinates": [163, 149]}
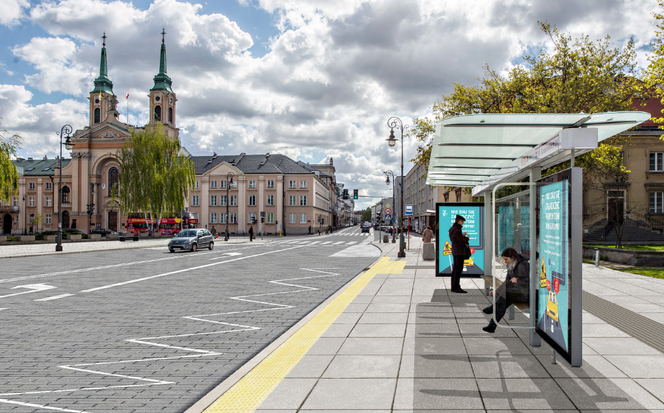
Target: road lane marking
{"type": "Point", "coordinates": [40, 406]}
{"type": "Point", "coordinates": [252, 389]}
{"type": "Point", "coordinates": [103, 287]}
{"type": "Point", "coordinates": [33, 288]}
{"type": "Point", "coordinates": [228, 254]}
{"type": "Point", "coordinates": [55, 297]}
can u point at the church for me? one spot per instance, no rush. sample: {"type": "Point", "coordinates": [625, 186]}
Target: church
{"type": "Point", "coordinates": [271, 192]}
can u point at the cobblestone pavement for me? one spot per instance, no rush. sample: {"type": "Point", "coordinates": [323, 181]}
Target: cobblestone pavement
{"type": "Point", "coordinates": [143, 330]}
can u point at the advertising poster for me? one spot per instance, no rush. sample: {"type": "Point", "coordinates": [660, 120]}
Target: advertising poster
{"type": "Point", "coordinates": [474, 226]}
{"type": "Point", "coordinates": [553, 299]}
{"type": "Point", "coordinates": [506, 227]}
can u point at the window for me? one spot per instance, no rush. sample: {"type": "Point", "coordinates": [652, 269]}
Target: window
{"type": "Point", "coordinates": [97, 115]}
{"type": "Point", "coordinates": [657, 202]}
{"type": "Point", "coordinates": [222, 184]}
{"type": "Point", "coordinates": [31, 185]}
{"type": "Point", "coordinates": [233, 218]}
{"type": "Point", "coordinates": [213, 217]}
{"type": "Point", "coordinates": [47, 219]}
{"type": "Point", "coordinates": [170, 115]}
{"type": "Point", "coordinates": [270, 218]}
{"type": "Point", "coordinates": [270, 183]}
{"type": "Point", "coordinates": [252, 184]}
{"type": "Point", "coordinates": [194, 200]}
{"type": "Point", "coordinates": [223, 218]}
{"type": "Point", "coordinates": [234, 184]}
{"type": "Point", "coordinates": [303, 200]}
{"type": "Point", "coordinates": [252, 200]}
{"type": "Point", "coordinates": [303, 218]}
{"type": "Point", "coordinates": [157, 113]}
{"type": "Point", "coordinates": [252, 217]}
{"type": "Point", "coordinates": [291, 184]}
{"type": "Point", "coordinates": [113, 181]}
{"type": "Point", "coordinates": [196, 185]}
{"type": "Point", "coordinates": [47, 201]}
{"type": "Point", "coordinates": [657, 162]}
{"type": "Point", "coordinates": [15, 203]}
{"type": "Point", "coordinates": [213, 184]}
{"type": "Point", "coordinates": [291, 218]}
{"type": "Point", "coordinates": [291, 200]}
{"type": "Point", "coordinates": [48, 185]}
{"type": "Point", "coordinates": [31, 201]}
{"type": "Point", "coordinates": [270, 200]}
{"type": "Point", "coordinates": [303, 184]}
{"type": "Point", "coordinates": [233, 200]}
{"type": "Point", "coordinates": [213, 200]}
{"type": "Point", "coordinates": [224, 200]}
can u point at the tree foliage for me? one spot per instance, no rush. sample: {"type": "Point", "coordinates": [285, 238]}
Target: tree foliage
{"type": "Point", "coordinates": [655, 71]}
{"type": "Point", "coordinates": [365, 216]}
{"type": "Point", "coordinates": [155, 176]}
{"type": "Point", "coordinates": [8, 173]}
{"type": "Point", "coordinates": [579, 75]}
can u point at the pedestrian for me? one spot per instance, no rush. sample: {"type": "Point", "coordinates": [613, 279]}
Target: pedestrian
{"type": "Point", "coordinates": [459, 243]}
{"type": "Point", "coordinates": [310, 230]}
{"type": "Point", "coordinates": [251, 233]}
{"type": "Point", "coordinates": [213, 231]}
{"type": "Point", "coordinates": [514, 289]}
{"type": "Point", "coordinates": [428, 235]}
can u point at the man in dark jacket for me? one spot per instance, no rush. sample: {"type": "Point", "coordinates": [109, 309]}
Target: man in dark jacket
{"type": "Point", "coordinates": [459, 242]}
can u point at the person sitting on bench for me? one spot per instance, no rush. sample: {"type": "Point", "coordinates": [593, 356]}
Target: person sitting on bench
{"type": "Point", "coordinates": [514, 289]}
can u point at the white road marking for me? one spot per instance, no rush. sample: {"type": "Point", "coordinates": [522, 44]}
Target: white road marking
{"type": "Point", "coordinates": [231, 254]}
{"type": "Point", "coordinates": [326, 242]}
{"type": "Point", "coordinates": [184, 270]}
{"type": "Point", "coordinates": [55, 297]}
{"type": "Point", "coordinates": [339, 242]}
{"type": "Point", "coordinates": [33, 288]}
{"type": "Point", "coordinates": [40, 406]}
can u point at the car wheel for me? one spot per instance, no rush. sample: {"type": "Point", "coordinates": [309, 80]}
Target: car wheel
{"type": "Point", "coordinates": [211, 246]}
{"type": "Point", "coordinates": [171, 250]}
{"type": "Point", "coordinates": [193, 247]}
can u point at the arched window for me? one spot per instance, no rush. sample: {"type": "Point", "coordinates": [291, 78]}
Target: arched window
{"type": "Point", "coordinates": [157, 113]}
{"type": "Point", "coordinates": [113, 181]}
{"type": "Point", "coordinates": [65, 194]}
{"type": "Point", "coordinates": [97, 115]}
{"type": "Point", "coordinates": [170, 115]}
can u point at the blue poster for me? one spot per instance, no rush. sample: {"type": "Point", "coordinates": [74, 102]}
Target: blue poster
{"type": "Point", "coordinates": [553, 299]}
{"type": "Point", "coordinates": [506, 227]}
{"type": "Point", "coordinates": [474, 226]}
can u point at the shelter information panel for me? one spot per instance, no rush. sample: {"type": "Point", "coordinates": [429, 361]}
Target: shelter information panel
{"type": "Point", "coordinates": [473, 212]}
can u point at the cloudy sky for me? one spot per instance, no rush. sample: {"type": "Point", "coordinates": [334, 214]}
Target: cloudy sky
{"type": "Point", "coordinates": [311, 79]}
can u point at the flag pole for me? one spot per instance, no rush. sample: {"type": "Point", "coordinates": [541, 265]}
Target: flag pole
{"type": "Point", "coordinates": [127, 101]}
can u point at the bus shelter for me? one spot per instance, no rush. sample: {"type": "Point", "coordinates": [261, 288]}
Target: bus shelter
{"type": "Point", "coordinates": [490, 151]}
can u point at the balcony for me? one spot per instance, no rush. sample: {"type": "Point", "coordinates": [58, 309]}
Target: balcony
{"type": "Point", "coordinates": [7, 208]}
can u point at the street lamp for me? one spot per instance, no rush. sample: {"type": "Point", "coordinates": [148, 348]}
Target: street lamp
{"type": "Point", "coordinates": [69, 145]}
{"type": "Point", "coordinates": [395, 122]}
{"type": "Point", "coordinates": [387, 182]}
{"type": "Point", "coordinates": [229, 182]}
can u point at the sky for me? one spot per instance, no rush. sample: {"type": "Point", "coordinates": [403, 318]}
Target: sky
{"type": "Point", "coordinates": [310, 79]}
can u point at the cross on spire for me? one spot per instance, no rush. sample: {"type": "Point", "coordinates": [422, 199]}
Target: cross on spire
{"type": "Point", "coordinates": [104, 37]}
{"type": "Point", "coordinates": [163, 35]}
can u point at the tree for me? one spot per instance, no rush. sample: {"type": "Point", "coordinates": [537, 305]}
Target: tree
{"type": "Point", "coordinates": [8, 173]}
{"type": "Point", "coordinates": [365, 216]}
{"type": "Point", "coordinates": [580, 75]}
{"type": "Point", "coordinates": [155, 176]}
{"type": "Point", "coordinates": [655, 71]}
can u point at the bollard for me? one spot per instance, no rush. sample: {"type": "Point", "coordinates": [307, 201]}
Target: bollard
{"type": "Point", "coordinates": [596, 257]}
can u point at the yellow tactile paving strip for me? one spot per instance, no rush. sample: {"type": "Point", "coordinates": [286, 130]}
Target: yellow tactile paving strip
{"type": "Point", "coordinates": [250, 391]}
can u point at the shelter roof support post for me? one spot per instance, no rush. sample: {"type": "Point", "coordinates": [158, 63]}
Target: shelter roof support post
{"type": "Point", "coordinates": [488, 233]}
{"type": "Point", "coordinates": [535, 174]}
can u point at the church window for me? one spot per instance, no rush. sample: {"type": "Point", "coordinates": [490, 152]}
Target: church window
{"type": "Point", "coordinates": [97, 115]}
{"type": "Point", "coordinates": [170, 115]}
{"type": "Point", "coordinates": [113, 181]}
{"type": "Point", "coordinates": [65, 194]}
{"type": "Point", "coordinates": [157, 113]}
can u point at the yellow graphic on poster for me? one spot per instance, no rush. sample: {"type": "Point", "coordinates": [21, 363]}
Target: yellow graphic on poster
{"type": "Point", "coordinates": [543, 275]}
{"type": "Point", "coordinates": [469, 261]}
{"type": "Point", "coordinates": [552, 306]}
{"type": "Point", "coordinates": [447, 249]}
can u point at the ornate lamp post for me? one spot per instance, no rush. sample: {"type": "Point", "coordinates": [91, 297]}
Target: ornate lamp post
{"type": "Point", "coordinates": [394, 199]}
{"type": "Point", "coordinates": [395, 122]}
{"type": "Point", "coordinates": [229, 182]}
{"type": "Point", "coordinates": [69, 145]}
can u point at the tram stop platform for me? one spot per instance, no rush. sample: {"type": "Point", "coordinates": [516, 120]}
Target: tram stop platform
{"type": "Point", "coordinates": [395, 339]}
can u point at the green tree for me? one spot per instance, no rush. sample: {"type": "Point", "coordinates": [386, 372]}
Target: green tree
{"type": "Point", "coordinates": [655, 71]}
{"type": "Point", "coordinates": [8, 173]}
{"type": "Point", "coordinates": [579, 75]}
{"type": "Point", "coordinates": [155, 176]}
{"type": "Point", "coordinates": [365, 216]}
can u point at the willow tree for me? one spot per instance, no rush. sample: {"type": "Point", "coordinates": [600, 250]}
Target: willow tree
{"type": "Point", "coordinates": [578, 75]}
{"type": "Point", "coordinates": [155, 175]}
{"type": "Point", "coordinates": [8, 173]}
{"type": "Point", "coordinates": [655, 70]}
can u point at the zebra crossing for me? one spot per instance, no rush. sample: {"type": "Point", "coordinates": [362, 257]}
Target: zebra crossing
{"type": "Point", "coordinates": [322, 243]}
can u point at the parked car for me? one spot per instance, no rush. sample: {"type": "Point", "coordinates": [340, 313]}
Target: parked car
{"type": "Point", "coordinates": [366, 228]}
{"type": "Point", "coordinates": [191, 240]}
{"type": "Point", "coordinates": [102, 231]}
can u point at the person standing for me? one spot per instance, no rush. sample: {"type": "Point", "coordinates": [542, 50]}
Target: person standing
{"type": "Point", "coordinates": [427, 236]}
{"type": "Point", "coordinates": [251, 233]}
{"type": "Point", "coordinates": [459, 243]}
{"type": "Point", "coordinates": [213, 231]}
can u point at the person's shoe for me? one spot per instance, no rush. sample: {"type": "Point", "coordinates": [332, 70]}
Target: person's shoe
{"type": "Point", "coordinates": [460, 291]}
{"type": "Point", "coordinates": [490, 328]}
{"type": "Point", "coordinates": [488, 310]}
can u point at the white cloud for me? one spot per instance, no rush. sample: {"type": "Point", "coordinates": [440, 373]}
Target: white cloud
{"type": "Point", "coordinates": [11, 11]}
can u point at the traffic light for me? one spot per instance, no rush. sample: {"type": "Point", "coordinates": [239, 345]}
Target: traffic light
{"type": "Point", "coordinates": [91, 209]}
{"type": "Point", "coordinates": [354, 193]}
{"type": "Point", "coordinates": [262, 220]}
{"type": "Point", "coordinates": [345, 194]}
{"type": "Point", "coordinates": [253, 220]}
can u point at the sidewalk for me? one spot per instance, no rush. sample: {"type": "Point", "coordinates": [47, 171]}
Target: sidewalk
{"type": "Point", "coordinates": [396, 340]}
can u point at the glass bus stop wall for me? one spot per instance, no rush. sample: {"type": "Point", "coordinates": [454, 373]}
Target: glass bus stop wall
{"type": "Point", "coordinates": [513, 223]}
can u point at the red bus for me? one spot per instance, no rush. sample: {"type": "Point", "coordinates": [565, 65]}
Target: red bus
{"type": "Point", "coordinates": [169, 224]}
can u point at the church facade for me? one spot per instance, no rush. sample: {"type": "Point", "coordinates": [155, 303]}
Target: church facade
{"type": "Point", "coordinates": [289, 196]}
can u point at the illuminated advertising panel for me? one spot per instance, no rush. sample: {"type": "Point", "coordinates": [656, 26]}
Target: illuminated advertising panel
{"type": "Point", "coordinates": [474, 226]}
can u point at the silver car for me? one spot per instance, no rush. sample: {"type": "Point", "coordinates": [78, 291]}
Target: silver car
{"type": "Point", "coordinates": [191, 240]}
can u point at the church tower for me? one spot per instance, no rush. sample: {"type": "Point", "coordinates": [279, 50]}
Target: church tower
{"type": "Point", "coordinates": [162, 97]}
{"type": "Point", "coordinates": [103, 101]}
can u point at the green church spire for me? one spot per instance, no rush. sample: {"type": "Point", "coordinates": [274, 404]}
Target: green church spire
{"type": "Point", "coordinates": [103, 83]}
{"type": "Point", "coordinates": [162, 81]}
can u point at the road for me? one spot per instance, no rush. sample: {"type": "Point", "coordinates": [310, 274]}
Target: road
{"type": "Point", "coordinates": [144, 330]}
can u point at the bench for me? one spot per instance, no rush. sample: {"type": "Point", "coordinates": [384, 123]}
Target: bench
{"type": "Point", "coordinates": [488, 284]}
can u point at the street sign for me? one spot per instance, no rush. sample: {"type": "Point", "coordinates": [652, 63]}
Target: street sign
{"type": "Point", "coordinates": [388, 216]}
{"type": "Point", "coordinates": [409, 210]}
{"type": "Point", "coordinates": [447, 249]}
{"type": "Point", "coordinates": [388, 211]}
